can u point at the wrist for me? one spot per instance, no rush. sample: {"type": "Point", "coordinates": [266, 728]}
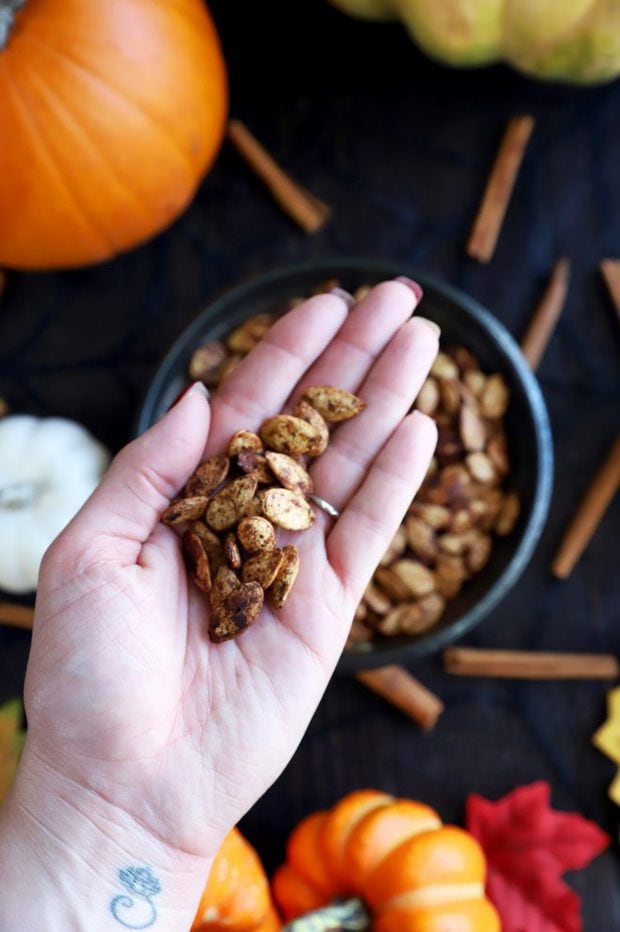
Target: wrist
{"type": "Point", "coordinates": [83, 863]}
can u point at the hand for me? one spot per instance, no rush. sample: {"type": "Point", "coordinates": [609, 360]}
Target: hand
{"type": "Point", "coordinates": [131, 709]}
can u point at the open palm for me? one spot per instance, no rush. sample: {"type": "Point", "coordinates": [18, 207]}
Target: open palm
{"type": "Point", "coordinates": [125, 694]}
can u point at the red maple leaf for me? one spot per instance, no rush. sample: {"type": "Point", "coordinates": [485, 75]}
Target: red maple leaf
{"type": "Point", "coordinates": [528, 847]}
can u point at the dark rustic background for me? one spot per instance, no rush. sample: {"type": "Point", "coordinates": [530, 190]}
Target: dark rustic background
{"type": "Point", "coordinates": [401, 149]}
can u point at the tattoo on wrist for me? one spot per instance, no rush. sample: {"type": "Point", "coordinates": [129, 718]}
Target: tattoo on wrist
{"type": "Point", "coordinates": [137, 910]}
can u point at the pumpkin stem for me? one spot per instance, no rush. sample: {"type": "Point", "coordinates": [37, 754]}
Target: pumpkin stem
{"type": "Point", "coordinates": [8, 9]}
{"type": "Point", "coordinates": [339, 916]}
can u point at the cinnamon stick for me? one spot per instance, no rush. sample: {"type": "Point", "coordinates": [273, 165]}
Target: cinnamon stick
{"type": "Point", "coordinates": [17, 616]}
{"type": "Point", "coordinates": [546, 315]}
{"type": "Point", "coordinates": [530, 665]}
{"type": "Point", "coordinates": [310, 213]}
{"type": "Point", "coordinates": [397, 686]}
{"type": "Point", "coordinates": [589, 514]}
{"type": "Point", "coordinates": [488, 223]}
{"type": "Point", "coordinates": [610, 270]}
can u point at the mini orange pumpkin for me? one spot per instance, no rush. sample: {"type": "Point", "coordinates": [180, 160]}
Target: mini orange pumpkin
{"type": "Point", "coordinates": [237, 896]}
{"type": "Point", "coordinates": [110, 113]}
{"type": "Point", "coordinates": [413, 873]}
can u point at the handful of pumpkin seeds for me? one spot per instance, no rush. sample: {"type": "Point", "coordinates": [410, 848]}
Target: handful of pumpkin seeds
{"type": "Point", "coordinates": [233, 503]}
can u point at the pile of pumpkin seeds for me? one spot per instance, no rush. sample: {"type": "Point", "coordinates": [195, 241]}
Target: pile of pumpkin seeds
{"type": "Point", "coordinates": [233, 503]}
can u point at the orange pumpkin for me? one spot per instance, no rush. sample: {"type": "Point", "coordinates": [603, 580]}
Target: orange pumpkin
{"type": "Point", "coordinates": [111, 111]}
{"type": "Point", "coordinates": [237, 896]}
{"type": "Point", "coordinates": [413, 873]}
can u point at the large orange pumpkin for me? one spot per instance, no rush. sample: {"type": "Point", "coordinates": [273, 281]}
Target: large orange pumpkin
{"type": "Point", "coordinates": [237, 896]}
{"type": "Point", "coordinates": [413, 873]}
{"type": "Point", "coordinates": [111, 111]}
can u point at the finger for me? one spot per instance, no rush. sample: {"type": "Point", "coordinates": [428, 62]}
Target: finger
{"type": "Point", "coordinates": [363, 532]}
{"type": "Point", "coordinates": [389, 391]}
{"type": "Point", "coordinates": [161, 552]}
{"type": "Point", "coordinates": [146, 474]}
{"type": "Point", "coordinates": [365, 333]}
{"type": "Point", "coordinates": [260, 385]}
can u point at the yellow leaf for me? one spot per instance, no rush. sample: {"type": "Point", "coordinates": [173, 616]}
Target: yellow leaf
{"type": "Point", "coordinates": [607, 738]}
{"type": "Point", "coordinates": [614, 789]}
{"type": "Point", "coordinates": [11, 743]}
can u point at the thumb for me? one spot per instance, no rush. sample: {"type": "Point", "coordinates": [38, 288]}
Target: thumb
{"type": "Point", "coordinates": [126, 507]}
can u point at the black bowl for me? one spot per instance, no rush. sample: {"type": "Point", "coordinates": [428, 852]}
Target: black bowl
{"type": "Point", "coordinates": [462, 320]}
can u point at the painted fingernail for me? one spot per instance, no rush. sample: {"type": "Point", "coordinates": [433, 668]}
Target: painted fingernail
{"type": "Point", "coordinates": [430, 323]}
{"type": "Point", "coordinates": [197, 387]}
{"type": "Point", "coordinates": [346, 296]}
{"type": "Point", "coordinates": [409, 282]}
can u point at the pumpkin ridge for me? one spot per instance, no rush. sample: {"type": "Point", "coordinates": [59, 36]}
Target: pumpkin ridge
{"type": "Point", "coordinates": [123, 96]}
{"type": "Point", "coordinates": [433, 895]}
{"type": "Point", "coordinates": [569, 33]}
{"type": "Point", "coordinates": [236, 895]}
{"type": "Point", "coordinates": [311, 870]}
{"type": "Point", "coordinates": [342, 821]}
{"type": "Point", "coordinates": [57, 101]}
{"type": "Point", "coordinates": [357, 869]}
{"type": "Point", "coordinates": [53, 165]}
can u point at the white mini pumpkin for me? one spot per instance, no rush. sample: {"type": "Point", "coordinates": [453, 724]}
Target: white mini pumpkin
{"type": "Point", "coordinates": [48, 468]}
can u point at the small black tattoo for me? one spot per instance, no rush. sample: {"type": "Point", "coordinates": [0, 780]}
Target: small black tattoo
{"type": "Point", "coordinates": [138, 910]}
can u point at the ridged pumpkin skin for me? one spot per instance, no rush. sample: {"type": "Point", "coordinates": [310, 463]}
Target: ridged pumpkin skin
{"type": "Point", "coordinates": [237, 896]}
{"type": "Point", "coordinates": [563, 40]}
{"type": "Point", "coordinates": [412, 872]}
{"type": "Point", "coordinates": [111, 111]}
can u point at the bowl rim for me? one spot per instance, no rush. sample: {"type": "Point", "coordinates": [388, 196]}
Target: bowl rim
{"type": "Point", "coordinates": [352, 661]}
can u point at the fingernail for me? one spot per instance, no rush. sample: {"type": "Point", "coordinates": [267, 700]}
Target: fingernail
{"type": "Point", "coordinates": [430, 323]}
{"type": "Point", "coordinates": [200, 388]}
{"type": "Point", "coordinates": [409, 282]}
{"type": "Point", "coordinates": [197, 387]}
{"type": "Point", "coordinates": [346, 296]}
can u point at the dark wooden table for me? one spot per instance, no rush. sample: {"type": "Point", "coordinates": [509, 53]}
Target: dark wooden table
{"type": "Point", "coordinates": [401, 149]}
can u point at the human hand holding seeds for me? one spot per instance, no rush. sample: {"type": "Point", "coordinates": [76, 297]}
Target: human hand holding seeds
{"type": "Point", "coordinates": [146, 741]}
